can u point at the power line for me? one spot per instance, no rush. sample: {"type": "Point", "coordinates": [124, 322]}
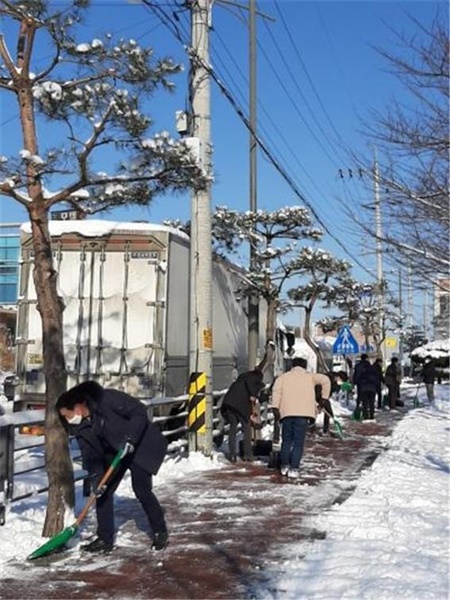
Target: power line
{"type": "Point", "coordinates": [290, 98]}
{"type": "Point", "coordinates": [239, 111]}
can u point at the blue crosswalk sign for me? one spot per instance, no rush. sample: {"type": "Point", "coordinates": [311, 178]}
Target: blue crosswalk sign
{"type": "Point", "coordinates": [345, 343]}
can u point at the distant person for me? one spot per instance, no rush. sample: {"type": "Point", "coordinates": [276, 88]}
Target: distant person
{"type": "Point", "coordinates": [429, 377]}
{"type": "Point", "coordinates": [238, 406]}
{"type": "Point", "coordinates": [345, 386]}
{"type": "Point", "coordinates": [378, 364]}
{"type": "Point", "coordinates": [105, 421]}
{"type": "Point", "coordinates": [294, 397]}
{"type": "Point", "coordinates": [393, 379]}
{"type": "Point", "coordinates": [366, 379]}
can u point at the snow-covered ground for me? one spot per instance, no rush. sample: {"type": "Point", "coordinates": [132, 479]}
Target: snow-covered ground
{"type": "Point", "coordinates": [388, 541]}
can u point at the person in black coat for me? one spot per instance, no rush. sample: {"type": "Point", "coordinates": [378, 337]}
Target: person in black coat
{"type": "Point", "coordinates": [393, 378]}
{"type": "Point", "coordinates": [378, 364]}
{"type": "Point", "coordinates": [429, 376]}
{"type": "Point", "coordinates": [105, 421]}
{"type": "Point", "coordinates": [366, 379]}
{"type": "Point", "coordinates": [238, 407]}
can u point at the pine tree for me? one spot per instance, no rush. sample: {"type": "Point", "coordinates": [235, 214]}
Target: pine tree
{"type": "Point", "coordinates": [88, 96]}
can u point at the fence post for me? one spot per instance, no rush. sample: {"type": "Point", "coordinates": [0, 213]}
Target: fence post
{"type": "Point", "coordinates": [6, 468]}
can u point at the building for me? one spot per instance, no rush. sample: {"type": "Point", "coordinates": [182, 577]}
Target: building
{"type": "Point", "coordinates": [9, 288]}
{"type": "Point", "coordinates": [441, 313]}
{"type": "Point", "coordinates": [9, 263]}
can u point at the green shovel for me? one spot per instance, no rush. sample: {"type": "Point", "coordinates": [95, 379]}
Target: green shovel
{"type": "Point", "coordinates": [337, 426]}
{"type": "Point", "coordinates": [60, 539]}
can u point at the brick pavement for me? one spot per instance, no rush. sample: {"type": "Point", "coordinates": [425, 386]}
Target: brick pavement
{"type": "Point", "coordinates": [241, 517]}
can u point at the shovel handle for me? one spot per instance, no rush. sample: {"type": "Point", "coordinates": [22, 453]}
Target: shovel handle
{"type": "Point", "coordinates": [103, 481]}
{"type": "Point", "coordinates": [327, 413]}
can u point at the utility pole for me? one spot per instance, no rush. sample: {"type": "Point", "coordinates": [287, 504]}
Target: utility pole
{"type": "Point", "coordinates": [400, 302]}
{"type": "Point", "coordinates": [379, 250]}
{"type": "Point", "coordinates": [253, 302]}
{"type": "Point", "coordinates": [410, 319]}
{"type": "Point", "coordinates": [425, 315]}
{"type": "Point", "coordinates": [201, 315]}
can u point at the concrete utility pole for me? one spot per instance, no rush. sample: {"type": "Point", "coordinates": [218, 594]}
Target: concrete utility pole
{"type": "Point", "coordinates": [410, 317]}
{"type": "Point", "coordinates": [201, 315]}
{"type": "Point", "coordinates": [253, 301]}
{"type": "Point", "coordinates": [379, 251]}
{"type": "Point", "coordinates": [425, 315]}
{"type": "Point", "coordinates": [400, 302]}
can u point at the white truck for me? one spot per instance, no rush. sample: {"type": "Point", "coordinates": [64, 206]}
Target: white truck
{"type": "Point", "coordinates": [125, 287]}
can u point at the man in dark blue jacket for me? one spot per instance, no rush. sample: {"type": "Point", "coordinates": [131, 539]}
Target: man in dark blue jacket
{"type": "Point", "coordinates": [105, 421]}
{"type": "Point", "coordinates": [367, 380]}
{"type": "Point", "coordinates": [238, 407]}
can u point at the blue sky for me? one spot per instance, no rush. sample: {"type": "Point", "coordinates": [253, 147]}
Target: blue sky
{"type": "Point", "coordinates": [318, 79]}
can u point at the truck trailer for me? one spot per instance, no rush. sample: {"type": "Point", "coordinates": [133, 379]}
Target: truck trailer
{"type": "Point", "coordinates": [125, 288]}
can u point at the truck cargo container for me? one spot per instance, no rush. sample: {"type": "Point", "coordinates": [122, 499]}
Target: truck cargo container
{"type": "Point", "coordinates": [125, 288]}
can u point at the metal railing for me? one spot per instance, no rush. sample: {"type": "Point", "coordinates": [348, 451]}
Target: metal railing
{"type": "Point", "coordinates": [22, 454]}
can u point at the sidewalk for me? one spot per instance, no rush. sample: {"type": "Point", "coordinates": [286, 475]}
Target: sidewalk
{"type": "Point", "coordinates": [243, 515]}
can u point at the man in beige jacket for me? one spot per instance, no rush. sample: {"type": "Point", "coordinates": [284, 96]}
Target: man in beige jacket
{"type": "Point", "coordinates": [293, 396]}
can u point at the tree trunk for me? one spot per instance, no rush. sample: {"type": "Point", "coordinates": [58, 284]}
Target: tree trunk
{"type": "Point", "coordinates": [57, 457]}
{"type": "Point", "coordinates": [271, 320]}
{"type": "Point", "coordinates": [321, 365]}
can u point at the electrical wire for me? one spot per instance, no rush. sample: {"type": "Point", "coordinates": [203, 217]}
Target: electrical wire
{"type": "Point", "coordinates": [279, 168]}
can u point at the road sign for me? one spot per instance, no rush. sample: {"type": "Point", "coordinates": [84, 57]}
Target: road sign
{"type": "Point", "coordinates": [345, 343]}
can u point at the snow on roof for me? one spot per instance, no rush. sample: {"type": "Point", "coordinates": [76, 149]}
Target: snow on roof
{"type": "Point", "coordinates": [436, 349]}
{"type": "Point", "coordinates": [98, 228]}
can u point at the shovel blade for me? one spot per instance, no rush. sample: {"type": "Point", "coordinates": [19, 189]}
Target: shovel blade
{"type": "Point", "coordinates": [339, 430]}
{"type": "Point", "coordinates": [54, 543]}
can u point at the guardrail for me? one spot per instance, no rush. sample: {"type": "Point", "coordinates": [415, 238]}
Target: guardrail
{"type": "Point", "coordinates": [22, 456]}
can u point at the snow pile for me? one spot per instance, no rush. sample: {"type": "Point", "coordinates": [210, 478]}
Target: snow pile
{"type": "Point", "coordinates": [390, 538]}
{"type": "Point", "coordinates": [437, 349]}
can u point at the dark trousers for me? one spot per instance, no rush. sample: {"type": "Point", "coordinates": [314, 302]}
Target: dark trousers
{"type": "Point", "coordinates": [430, 391]}
{"type": "Point", "coordinates": [380, 396]}
{"type": "Point", "coordinates": [367, 399]}
{"type": "Point", "coordinates": [234, 418]}
{"type": "Point", "coordinates": [327, 413]}
{"type": "Point", "coordinates": [141, 482]}
{"type": "Point", "coordinates": [393, 393]}
{"type": "Point", "coordinates": [293, 432]}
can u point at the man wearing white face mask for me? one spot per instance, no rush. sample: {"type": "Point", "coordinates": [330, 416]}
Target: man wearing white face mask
{"type": "Point", "coordinates": [105, 421]}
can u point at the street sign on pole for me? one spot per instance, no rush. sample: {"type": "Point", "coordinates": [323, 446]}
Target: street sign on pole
{"type": "Point", "coordinates": [345, 343]}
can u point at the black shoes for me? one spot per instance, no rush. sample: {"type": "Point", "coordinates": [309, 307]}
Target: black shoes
{"type": "Point", "coordinates": [160, 540]}
{"type": "Point", "coordinates": [98, 545]}
{"type": "Point", "coordinates": [101, 547]}
{"type": "Point", "coordinates": [248, 458]}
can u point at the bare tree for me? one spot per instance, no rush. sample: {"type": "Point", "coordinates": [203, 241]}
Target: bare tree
{"type": "Point", "coordinates": [90, 95]}
{"type": "Point", "coordinates": [411, 136]}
